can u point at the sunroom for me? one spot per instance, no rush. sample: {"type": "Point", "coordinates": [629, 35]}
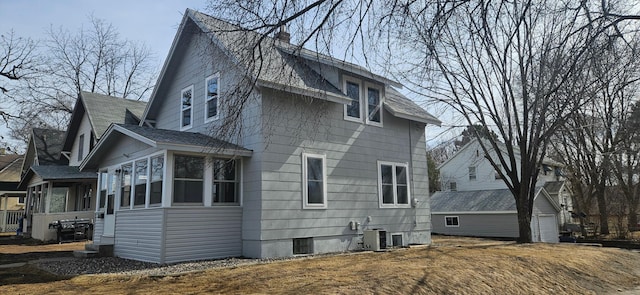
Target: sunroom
{"type": "Point", "coordinates": [167, 196]}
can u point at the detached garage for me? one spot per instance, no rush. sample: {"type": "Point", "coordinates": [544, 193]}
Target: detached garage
{"type": "Point", "coordinates": [492, 213]}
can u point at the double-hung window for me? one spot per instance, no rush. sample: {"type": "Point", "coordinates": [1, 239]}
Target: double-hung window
{"type": "Point", "coordinates": [393, 184]}
{"type": "Point", "coordinates": [226, 186]}
{"type": "Point", "coordinates": [80, 147]}
{"type": "Point", "coordinates": [314, 186]}
{"type": "Point", "coordinates": [212, 98]}
{"type": "Point", "coordinates": [366, 102]}
{"type": "Point", "coordinates": [472, 173]}
{"type": "Point", "coordinates": [186, 108]}
{"type": "Point", "coordinates": [188, 175]}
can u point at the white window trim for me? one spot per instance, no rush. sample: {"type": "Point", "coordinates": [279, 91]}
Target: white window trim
{"type": "Point", "coordinates": [305, 204]}
{"type": "Point", "coordinates": [366, 103]}
{"type": "Point", "coordinates": [206, 99]}
{"type": "Point", "coordinates": [347, 79]}
{"type": "Point", "coordinates": [238, 180]}
{"type": "Point", "coordinates": [182, 128]}
{"type": "Point", "coordinates": [456, 217]}
{"type": "Point", "coordinates": [395, 185]}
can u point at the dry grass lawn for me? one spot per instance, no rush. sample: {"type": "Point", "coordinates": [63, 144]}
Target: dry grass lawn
{"type": "Point", "coordinates": [450, 266]}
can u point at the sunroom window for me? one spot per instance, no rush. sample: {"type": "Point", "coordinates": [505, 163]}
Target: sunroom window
{"type": "Point", "coordinates": [225, 182]}
{"type": "Point", "coordinates": [188, 179]}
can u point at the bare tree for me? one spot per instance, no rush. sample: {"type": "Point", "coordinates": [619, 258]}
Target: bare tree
{"type": "Point", "coordinates": [94, 59]}
{"type": "Point", "coordinates": [18, 62]}
{"type": "Point", "coordinates": [510, 66]}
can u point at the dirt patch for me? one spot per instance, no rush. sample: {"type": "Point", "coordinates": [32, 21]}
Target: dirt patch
{"type": "Point", "coordinates": [452, 265]}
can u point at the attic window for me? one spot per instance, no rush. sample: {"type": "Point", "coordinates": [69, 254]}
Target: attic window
{"type": "Point", "coordinates": [353, 111]}
{"type": "Point", "coordinates": [212, 102]}
{"type": "Point", "coordinates": [374, 105]}
{"type": "Point", "coordinates": [186, 108]}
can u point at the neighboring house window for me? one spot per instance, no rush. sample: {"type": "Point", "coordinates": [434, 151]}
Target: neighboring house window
{"type": "Point", "coordinates": [125, 186]}
{"type": "Point", "coordinates": [451, 221]}
{"type": "Point", "coordinates": [186, 108]}
{"type": "Point", "coordinates": [472, 173]}
{"type": "Point", "coordinates": [374, 106]}
{"type": "Point", "coordinates": [21, 200]}
{"type": "Point", "coordinates": [212, 97]}
{"type": "Point", "coordinates": [157, 173]}
{"type": "Point", "coordinates": [314, 184]}
{"type": "Point", "coordinates": [188, 179]}
{"type": "Point", "coordinates": [140, 190]}
{"type": "Point", "coordinates": [103, 189]}
{"type": "Point", "coordinates": [453, 186]}
{"type": "Point", "coordinates": [497, 172]}
{"type": "Point", "coordinates": [353, 111]}
{"type": "Point", "coordinates": [303, 246]}
{"type": "Point", "coordinates": [393, 184]}
{"type": "Point", "coordinates": [225, 182]}
{"type": "Point", "coordinates": [80, 147]}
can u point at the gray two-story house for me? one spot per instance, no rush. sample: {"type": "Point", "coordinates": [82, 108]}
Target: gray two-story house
{"type": "Point", "coordinates": [261, 151]}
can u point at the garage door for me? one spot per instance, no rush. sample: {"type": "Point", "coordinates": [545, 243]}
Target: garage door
{"type": "Point", "coordinates": [545, 228]}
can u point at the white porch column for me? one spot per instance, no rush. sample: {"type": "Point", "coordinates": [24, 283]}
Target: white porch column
{"type": "Point", "coordinates": [167, 182]}
{"type": "Point", "coordinates": [4, 212]}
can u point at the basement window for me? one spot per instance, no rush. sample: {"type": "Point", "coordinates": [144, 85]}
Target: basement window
{"type": "Point", "coordinates": [302, 246]}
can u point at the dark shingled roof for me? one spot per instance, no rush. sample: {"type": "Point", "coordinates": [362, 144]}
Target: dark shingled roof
{"type": "Point", "coordinates": [165, 136]}
{"type": "Point", "coordinates": [103, 110]}
{"type": "Point", "coordinates": [473, 201]}
{"type": "Point", "coordinates": [62, 172]}
{"type": "Point", "coordinates": [48, 143]}
{"type": "Point", "coordinates": [488, 200]}
{"type": "Point", "coordinates": [285, 66]}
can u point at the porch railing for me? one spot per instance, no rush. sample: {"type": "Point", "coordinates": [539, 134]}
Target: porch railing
{"type": "Point", "coordinates": [9, 220]}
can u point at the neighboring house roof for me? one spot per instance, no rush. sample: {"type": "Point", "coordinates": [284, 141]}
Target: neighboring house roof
{"type": "Point", "coordinates": [283, 66]}
{"type": "Point", "coordinates": [10, 168]}
{"type": "Point", "coordinates": [48, 146]}
{"type": "Point", "coordinates": [59, 173]}
{"type": "Point", "coordinates": [500, 200]}
{"type": "Point", "coordinates": [164, 139]}
{"type": "Point", "coordinates": [102, 110]}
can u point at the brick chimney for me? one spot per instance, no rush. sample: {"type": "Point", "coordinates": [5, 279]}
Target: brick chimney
{"type": "Point", "coordinates": [283, 35]}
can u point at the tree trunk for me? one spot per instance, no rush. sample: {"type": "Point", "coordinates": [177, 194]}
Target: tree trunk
{"type": "Point", "coordinates": [602, 209]}
{"type": "Point", "coordinates": [524, 226]}
{"type": "Point", "coordinates": [632, 219]}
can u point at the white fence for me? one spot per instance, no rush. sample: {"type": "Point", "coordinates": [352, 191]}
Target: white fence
{"type": "Point", "coordinates": [9, 220]}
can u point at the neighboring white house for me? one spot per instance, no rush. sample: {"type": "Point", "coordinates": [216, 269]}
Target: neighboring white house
{"type": "Point", "coordinates": [326, 151]}
{"type": "Point", "coordinates": [470, 171]}
{"type": "Point", "coordinates": [56, 189]}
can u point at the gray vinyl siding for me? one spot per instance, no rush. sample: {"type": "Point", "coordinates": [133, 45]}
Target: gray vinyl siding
{"type": "Point", "coordinates": [352, 151]}
{"type": "Point", "coordinates": [138, 234]}
{"type": "Point", "coordinates": [191, 64]}
{"type": "Point", "coordinates": [202, 233]}
{"type": "Point", "coordinates": [98, 228]}
{"type": "Point", "coordinates": [480, 225]}
{"type": "Point", "coordinates": [125, 149]}
{"type": "Point", "coordinates": [543, 206]}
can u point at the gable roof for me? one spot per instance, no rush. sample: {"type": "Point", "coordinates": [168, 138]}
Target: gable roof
{"type": "Point", "coordinates": [53, 172]}
{"type": "Point", "coordinates": [500, 200]}
{"type": "Point", "coordinates": [283, 66]}
{"type": "Point", "coordinates": [553, 187]}
{"type": "Point", "coordinates": [163, 139]}
{"type": "Point", "coordinates": [102, 110]}
{"type": "Point", "coordinates": [48, 146]}
{"type": "Point", "coordinates": [10, 167]}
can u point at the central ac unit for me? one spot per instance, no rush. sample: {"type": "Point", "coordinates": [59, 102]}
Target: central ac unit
{"type": "Point", "coordinates": [374, 240]}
